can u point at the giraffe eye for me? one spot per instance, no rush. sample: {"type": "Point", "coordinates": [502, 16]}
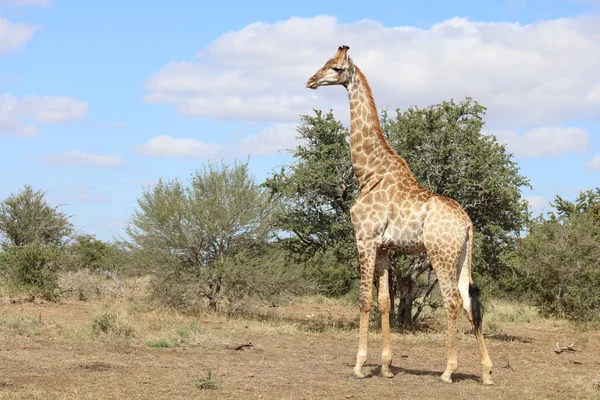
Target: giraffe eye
{"type": "Point", "coordinates": [337, 69]}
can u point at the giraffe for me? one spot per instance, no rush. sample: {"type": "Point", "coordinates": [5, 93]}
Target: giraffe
{"type": "Point", "coordinates": [393, 212]}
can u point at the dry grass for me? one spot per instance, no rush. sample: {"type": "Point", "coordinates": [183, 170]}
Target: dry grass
{"type": "Point", "coordinates": [118, 346]}
{"type": "Point", "coordinates": [85, 285]}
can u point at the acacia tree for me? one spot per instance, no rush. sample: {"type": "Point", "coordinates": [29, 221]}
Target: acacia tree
{"type": "Point", "coordinates": [586, 201]}
{"type": "Point", "coordinates": [31, 233]}
{"type": "Point", "coordinates": [196, 230]}
{"type": "Point", "coordinates": [26, 217]}
{"type": "Point", "coordinates": [447, 152]}
{"type": "Point", "coordinates": [315, 195]}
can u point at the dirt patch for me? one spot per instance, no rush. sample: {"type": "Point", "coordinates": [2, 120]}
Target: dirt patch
{"type": "Point", "coordinates": [259, 359]}
{"type": "Point", "coordinates": [96, 366]}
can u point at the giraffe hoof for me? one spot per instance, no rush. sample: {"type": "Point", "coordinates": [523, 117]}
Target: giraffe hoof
{"type": "Point", "coordinates": [385, 374]}
{"type": "Point", "coordinates": [445, 379]}
{"type": "Point", "coordinates": [488, 382]}
{"type": "Point", "coordinates": [354, 375]}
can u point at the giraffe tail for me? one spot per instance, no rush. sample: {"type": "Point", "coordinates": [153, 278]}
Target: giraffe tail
{"type": "Point", "coordinates": [468, 289]}
{"type": "Point", "coordinates": [476, 307]}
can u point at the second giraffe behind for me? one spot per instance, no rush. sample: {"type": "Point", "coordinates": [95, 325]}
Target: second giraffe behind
{"type": "Point", "coordinates": [394, 212]}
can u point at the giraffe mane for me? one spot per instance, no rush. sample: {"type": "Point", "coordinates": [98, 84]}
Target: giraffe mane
{"type": "Point", "coordinates": [378, 129]}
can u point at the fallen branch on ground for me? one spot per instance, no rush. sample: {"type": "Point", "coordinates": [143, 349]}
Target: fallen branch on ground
{"type": "Point", "coordinates": [559, 349]}
{"type": "Point", "coordinates": [248, 346]}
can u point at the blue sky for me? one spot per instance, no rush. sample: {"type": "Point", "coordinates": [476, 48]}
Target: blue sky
{"type": "Point", "coordinates": [98, 99]}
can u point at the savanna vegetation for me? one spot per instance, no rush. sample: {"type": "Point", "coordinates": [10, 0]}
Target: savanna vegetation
{"type": "Point", "coordinates": [221, 264]}
{"type": "Point", "coordinates": [222, 240]}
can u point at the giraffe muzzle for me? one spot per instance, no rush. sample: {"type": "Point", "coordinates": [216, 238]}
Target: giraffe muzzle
{"type": "Point", "coordinates": [312, 83]}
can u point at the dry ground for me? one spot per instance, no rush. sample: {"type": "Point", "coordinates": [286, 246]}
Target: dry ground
{"type": "Point", "coordinates": [301, 351]}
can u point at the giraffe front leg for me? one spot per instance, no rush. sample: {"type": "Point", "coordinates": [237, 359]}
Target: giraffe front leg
{"type": "Point", "coordinates": [383, 302]}
{"type": "Point", "coordinates": [366, 258]}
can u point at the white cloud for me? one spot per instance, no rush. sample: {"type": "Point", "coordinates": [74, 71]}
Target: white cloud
{"type": "Point", "coordinates": [76, 157]}
{"type": "Point", "coordinates": [47, 109]}
{"type": "Point", "coordinates": [14, 36]}
{"type": "Point", "coordinates": [166, 146]}
{"type": "Point", "coordinates": [51, 109]}
{"type": "Point", "coordinates": [527, 75]}
{"type": "Point", "coordinates": [537, 204]}
{"type": "Point", "coordinates": [545, 141]}
{"type": "Point", "coordinates": [594, 163]}
{"type": "Point", "coordinates": [272, 140]}
{"type": "Point", "coordinates": [13, 127]}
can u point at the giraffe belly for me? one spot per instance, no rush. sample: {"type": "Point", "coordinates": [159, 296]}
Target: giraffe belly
{"type": "Point", "coordinates": [403, 239]}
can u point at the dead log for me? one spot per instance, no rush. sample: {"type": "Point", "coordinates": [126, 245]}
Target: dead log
{"type": "Point", "coordinates": [560, 349]}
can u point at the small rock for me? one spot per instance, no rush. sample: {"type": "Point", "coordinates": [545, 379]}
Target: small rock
{"type": "Point", "coordinates": [22, 347]}
{"type": "Point", "coordinates": [250, 375]}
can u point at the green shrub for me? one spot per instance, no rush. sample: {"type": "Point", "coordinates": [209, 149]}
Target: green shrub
{"type": "Point", "coordinates": [260, 274]}
{"type": "Point", "coordinates": [206, 382]}
{"type": "Point", "coordinates": [109, 322]}
{"type": "Point", "coordinates": [558, 266]}
{"type": "Point", "coordinates": [31, 268]}
{"type": "Point", "coordinates": [334, 278]}
{"type": "Point", "coordinates": [87, 252]}
{"type": "Point", "coordinates": [161, 343]}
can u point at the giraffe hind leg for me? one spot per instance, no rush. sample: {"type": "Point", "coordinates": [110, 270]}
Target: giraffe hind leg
{"type": "Point", "coordinates": [474, 310]}
{"type": "Point", "coordinates": [446, 272]}
{"type": "Point", "coordinates": [383, 303]}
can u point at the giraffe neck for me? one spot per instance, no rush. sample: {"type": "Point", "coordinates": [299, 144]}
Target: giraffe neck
{"type": "Point", "coordinates": [371, 152]}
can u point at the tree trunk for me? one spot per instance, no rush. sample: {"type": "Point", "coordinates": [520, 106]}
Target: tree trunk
{"type": "Point", "coordinates": [215, 291]}
{"type": "Point", "coordinates": [422, 305]}
{"type": "Point", "coordinates": [213, 303]}
{"type": "Point", "coordinates": [406, 287]}
{"type": "Point", "coordinates": [392, 287]}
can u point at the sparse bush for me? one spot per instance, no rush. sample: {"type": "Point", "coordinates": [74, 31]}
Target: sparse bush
{"type": "Point", "coordinates": [162, 343]}
{"type": "Point", "coordinates": [502, 311]}
{"type": "Point", "coordinates": [188, 234]}
{"type": "Point", "coordinates": [258, 274]}
{"type": "Point", "coordinates": [557, 265]}
{"type": "Point", "coordinates": [26, 218]}
{"type": "Point", "coordinates": [264, 273]}
{"type": "Point", "coordinates": [31, 268]}
{"type": "Point", "coordinates": [109, 322]}
{"type": "Point", "coordinates": [206, 382]}
{"type": "Point", "coordinates": [22, 325]}
{"type": "Point", "coordinates": [188, 329]}
{"type": "Point", "coordinates": [334, 278]}
{"type": "Point", "coordinates": [87, 252]}
{"type": "Point", "coordinates": [85, 285]}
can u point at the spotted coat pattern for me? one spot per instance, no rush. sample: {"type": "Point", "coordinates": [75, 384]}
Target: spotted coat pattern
{"type": "Point", "coordinates": [394, 212]}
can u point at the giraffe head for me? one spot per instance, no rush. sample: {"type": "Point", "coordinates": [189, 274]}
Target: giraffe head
{"type": "Point", "coordinates": [336, 71]}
